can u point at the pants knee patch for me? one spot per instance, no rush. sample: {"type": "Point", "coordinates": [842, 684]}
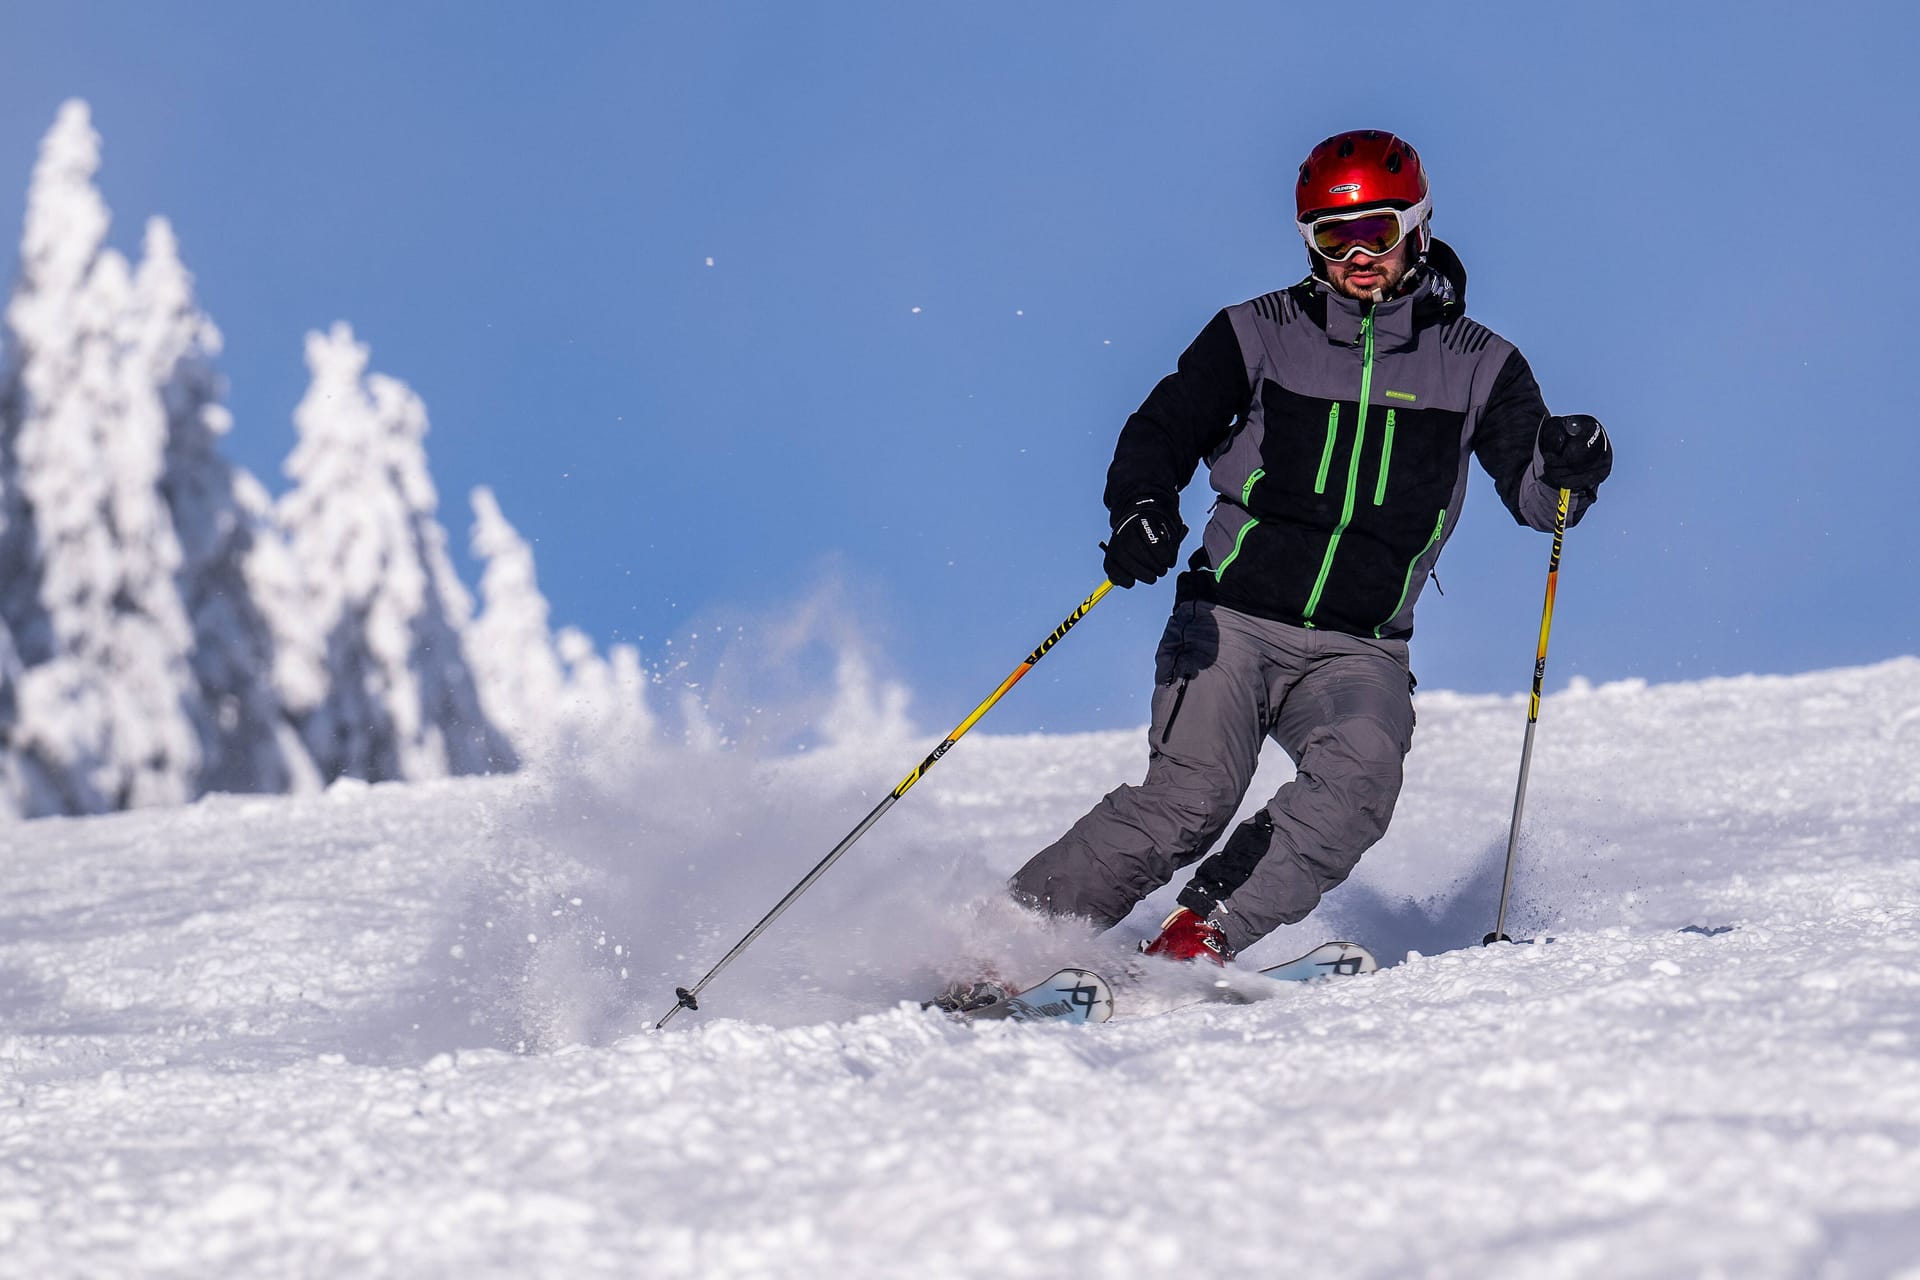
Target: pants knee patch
{"type": "Point", "coordinates": [1356, 767]}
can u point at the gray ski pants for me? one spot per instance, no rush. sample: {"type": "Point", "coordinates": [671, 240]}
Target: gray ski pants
{"type": "Point", "coordinates": [1341, 706]}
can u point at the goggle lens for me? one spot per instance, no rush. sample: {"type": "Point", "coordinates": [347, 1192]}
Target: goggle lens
{"type": "Point", "coordinates": [1337, 239]}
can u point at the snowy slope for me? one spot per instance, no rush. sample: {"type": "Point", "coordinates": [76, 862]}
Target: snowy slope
{"type": "Point", "coordinates": [405, 1030]}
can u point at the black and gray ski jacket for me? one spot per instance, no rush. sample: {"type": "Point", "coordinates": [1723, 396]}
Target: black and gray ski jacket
{"type": "Point", "coordinates": [1337, 436]}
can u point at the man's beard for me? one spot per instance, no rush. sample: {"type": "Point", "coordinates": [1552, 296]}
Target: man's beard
{"type": "Point", "coordinates": [1391, 287]}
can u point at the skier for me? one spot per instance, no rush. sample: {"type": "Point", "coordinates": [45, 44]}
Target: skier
{"type": "Point", "coordinates": [1337, 418]}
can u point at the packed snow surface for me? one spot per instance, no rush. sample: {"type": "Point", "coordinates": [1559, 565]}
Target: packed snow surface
{"type": "Point", "coordinates": [407, 1030]}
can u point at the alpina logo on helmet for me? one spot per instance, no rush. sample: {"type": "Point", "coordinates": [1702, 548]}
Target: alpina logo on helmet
{"type": "Point", "coordinates": [1343, 189]}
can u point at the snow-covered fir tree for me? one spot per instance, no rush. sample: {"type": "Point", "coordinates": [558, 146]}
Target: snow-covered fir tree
{"type": "Point", "coordinates": [514, 664]}
{"type": "Point", "coordinates": [381, 600]}
{"type": "Point", "coordinates": [12, 791]}
{"type": "Point", "coordinates": [168, 629]}
{"type": "Point", "coordinates": [108, 714]}
{"type": "Point", "coordinates": [12, 794]}
{"type": "Point", "coordinates": [222, 517]}
{"type": "Point", "coordinates": [554, 695]}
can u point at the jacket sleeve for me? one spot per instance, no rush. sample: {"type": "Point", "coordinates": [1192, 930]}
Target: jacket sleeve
{"type": "Point", "coordinates": [1507, 444]}
{"type": "Point", "coordinates": [1185, 418]}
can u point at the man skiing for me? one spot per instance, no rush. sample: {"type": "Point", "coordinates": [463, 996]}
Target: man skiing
{"type": "Point", "coordinates": [1337, 419]}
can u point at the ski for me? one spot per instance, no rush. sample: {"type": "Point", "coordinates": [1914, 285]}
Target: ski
{"type": "Point", "coordinates": [1328, 960]}
{"type": "Point", "coordinates": [1071, 995]}
{"type": "Point", "coordinates": [1083, 996]}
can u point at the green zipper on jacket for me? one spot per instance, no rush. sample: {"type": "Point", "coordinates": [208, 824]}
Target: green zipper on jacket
{"type": "Point", "coordinates": [1386, 458]}
{"type": "Point", "coordinates": [1407, 586]}
{"type": "Point", "coordinates": [1234, 554]}
{"type": "Point", "coordinates": [1353, 468]}
{"type": "Point", "coordinates": [1326, 454]}
{"type": "Point", "coordinates": [1246, 496]}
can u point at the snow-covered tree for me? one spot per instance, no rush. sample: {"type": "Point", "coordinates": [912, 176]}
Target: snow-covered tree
{"type": "Point", "coordinates": [552, 695]}
{"type": "Point", "coordinates": [12, 792]}
{"type": "Point", "coordinates": [108, 714]}
{"type": "Point", "coordinates": [604, 718]}
{"type": "Point", "coordinates": [514, 665]}
{"type": "Point", "coordinates": [12, 797]}
{"type": "Point", "coordinates": [381, 599]}
{"type": "Point", "coordinates": [222, 517]}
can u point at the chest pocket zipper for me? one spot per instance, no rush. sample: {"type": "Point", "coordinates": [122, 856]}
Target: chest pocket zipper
{"type": "Point", "coordinates": [1326, 453]}
{"type": "Point", "coordinates": [1386, 460]}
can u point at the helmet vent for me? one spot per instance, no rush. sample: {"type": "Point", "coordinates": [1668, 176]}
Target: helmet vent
{"type": "Point", "coordinates": [1358, 170]}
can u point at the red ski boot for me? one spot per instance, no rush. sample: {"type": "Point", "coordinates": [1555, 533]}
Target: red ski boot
{"type": "Point", "coordinates": [1185, 936]}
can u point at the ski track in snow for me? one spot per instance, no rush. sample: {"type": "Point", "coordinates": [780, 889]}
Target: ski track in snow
{"type": "Point", "coordinates": [406, 1030]}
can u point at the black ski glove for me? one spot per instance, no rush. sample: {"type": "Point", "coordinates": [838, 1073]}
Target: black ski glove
{"type": "Point", "coordinates": [1145, 542]}
{"type": "Point", "coordinates": [1574, 452]}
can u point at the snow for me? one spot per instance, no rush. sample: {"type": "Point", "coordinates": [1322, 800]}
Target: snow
{"type": "Point", "coordinates": [309, 1035]}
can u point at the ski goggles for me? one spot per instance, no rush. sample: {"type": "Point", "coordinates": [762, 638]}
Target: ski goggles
{"type": "Point", "coordinates": [1374, 232]}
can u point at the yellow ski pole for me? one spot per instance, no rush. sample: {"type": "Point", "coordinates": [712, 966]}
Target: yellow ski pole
{"type": "Point", "coordinates": [1533, 717]}
{"type": "Point", "coordinates": [689, 996]}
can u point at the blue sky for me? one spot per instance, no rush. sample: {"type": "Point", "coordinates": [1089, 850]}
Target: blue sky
{"type": "Point", "coordinates": [953, 246]}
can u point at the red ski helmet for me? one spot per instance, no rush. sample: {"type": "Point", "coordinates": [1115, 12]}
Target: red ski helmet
{"type": "Point", "coordinates": [1357, 172]}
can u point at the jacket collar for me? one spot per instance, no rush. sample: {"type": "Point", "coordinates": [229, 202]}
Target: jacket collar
{"type": "Point", "coordinates": [1393, 320]}
{"type": "Point", "coordinates": [1438, 296]}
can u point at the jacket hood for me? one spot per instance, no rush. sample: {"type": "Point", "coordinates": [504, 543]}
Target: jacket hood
{"type": "Point", "coordinates": [1443, 262]}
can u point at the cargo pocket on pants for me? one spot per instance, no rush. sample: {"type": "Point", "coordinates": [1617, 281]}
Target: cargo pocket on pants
{"type": "Point", "coordinates": [1173, 667]}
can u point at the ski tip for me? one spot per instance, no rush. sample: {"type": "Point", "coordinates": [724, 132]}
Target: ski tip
{"type": "Point", "coordinates": [1356, 958]}
{"type": "Point", "coordinates": [1328, 960]}
{"type": "Point", "coordinates": [1071, 995]}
